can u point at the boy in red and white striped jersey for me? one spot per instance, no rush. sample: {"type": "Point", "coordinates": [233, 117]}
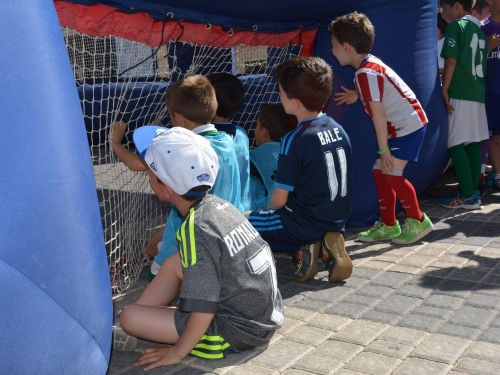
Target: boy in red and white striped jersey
{"type": "Point", "coordinates": [399, 122]}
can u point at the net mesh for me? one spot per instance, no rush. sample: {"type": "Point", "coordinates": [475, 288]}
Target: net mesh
{"type": "Point", "coordinates": [123, 80]}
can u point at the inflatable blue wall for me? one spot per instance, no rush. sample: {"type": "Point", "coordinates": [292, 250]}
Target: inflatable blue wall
{"type": "Point", "coordinates": [55, 296]}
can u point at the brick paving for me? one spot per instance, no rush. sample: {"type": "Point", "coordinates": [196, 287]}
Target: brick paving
{"type": "Point", "coordinates": [431, 308]}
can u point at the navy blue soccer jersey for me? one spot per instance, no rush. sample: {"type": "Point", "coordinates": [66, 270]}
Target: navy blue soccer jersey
{"type": "Point", "coordinates": [315, 167]}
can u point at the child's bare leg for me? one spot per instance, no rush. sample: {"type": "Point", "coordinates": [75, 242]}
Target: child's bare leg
{"type": "Point", "coordinates": [495, 153]}
{"type": "Point", "coordinates": [152, 323]}
{"type": "Point", "coordinates": [165, 286]}
{"type": "Point", "coordinates": [399, 163]}
{"type": "Point", "coordinates": [148, 318]}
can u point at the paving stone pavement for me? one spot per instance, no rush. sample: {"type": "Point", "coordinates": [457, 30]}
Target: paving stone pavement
{"type": "Point", "coordinates": [430, 308]}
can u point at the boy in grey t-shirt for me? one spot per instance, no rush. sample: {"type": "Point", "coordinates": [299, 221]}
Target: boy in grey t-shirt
{"type": "Point", "coordinates": [224, 271]}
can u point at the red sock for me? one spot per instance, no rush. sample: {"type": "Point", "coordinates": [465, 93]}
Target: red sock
{"type": "Point", "coordinates": [386, 199]}
{"type": "Point", "coordinates": [406, 194]}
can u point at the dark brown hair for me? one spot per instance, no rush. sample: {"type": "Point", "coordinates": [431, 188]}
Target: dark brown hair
{"type": "Point", "coordinates": [229, 92]}
{"type": "Point", "coordinates": [466, 4]}
{"type": "Point", "coordinates": [307, 79]}
{"type": "Point", "coordinates": [277, 122]}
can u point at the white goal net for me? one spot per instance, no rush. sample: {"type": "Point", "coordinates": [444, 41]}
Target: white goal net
{"type": "Point", "coordinates": [122, 80]}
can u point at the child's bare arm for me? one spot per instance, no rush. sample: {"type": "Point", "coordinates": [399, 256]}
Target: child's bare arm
{"type": "Point", "coordinates": [380, 123]}
{"type": "Point", "coordinates": [132, 161]}
{"type": "Point", "coordinates": [449, 69]}
{"type": "Point", "coordinates": [196, 327]}
{"type": "Point", "coordinates": [493, 42]}
{"type": "Point", "coordinates": [152, 244]}
{"type": "Point", "coordinates": [348, 96]}
{"type": "Point", "coordinates": [278, 199]}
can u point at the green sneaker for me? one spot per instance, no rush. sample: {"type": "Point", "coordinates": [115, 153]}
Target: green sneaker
{"type": "Point", "coordinates": [414, 230]}
{"type": "Point", "coordinates": [380, 232]}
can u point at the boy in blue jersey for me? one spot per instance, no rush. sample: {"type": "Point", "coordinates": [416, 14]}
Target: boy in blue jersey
{"type": "Point", "coordinates": [230, 94]}
{"type": "Point", "coordinates": [272, 124]}
{"type": "Point", "coordinates": [223, 270]}
{"type": "Point", "coordinates": [191, 103]}
{"type": "Point", "coordinates": [312, 198]}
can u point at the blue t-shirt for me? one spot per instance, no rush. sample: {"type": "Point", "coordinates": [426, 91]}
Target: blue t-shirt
{"type": "Point", "coordinates": [315, 167]}
{"type": "Point", "coordinates": [226, 184]}
{"type": "Point", "coordinates": [265, 161]}
{"type": "Point", "coordinates": [242, 148]}
{"type": "Point", "coordinates": [489, 28]}
{"type": "Point", "coordinates": [224, 187]}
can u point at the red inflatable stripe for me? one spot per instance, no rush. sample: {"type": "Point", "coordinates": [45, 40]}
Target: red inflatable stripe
{"type": "Point", "coordinates": [102, 20]}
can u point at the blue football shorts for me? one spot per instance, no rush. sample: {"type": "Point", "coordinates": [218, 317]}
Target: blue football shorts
{"type": "Point", "coordinates": [408, 146]}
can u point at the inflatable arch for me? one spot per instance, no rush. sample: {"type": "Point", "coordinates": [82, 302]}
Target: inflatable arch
{"type": "Point", "coordinates": [405, 40]}
{"type": "Point", "coordinates": [56, 302]}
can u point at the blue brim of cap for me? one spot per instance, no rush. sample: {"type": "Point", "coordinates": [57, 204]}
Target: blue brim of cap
{"type": "Point", "coordinates": [144, 135]}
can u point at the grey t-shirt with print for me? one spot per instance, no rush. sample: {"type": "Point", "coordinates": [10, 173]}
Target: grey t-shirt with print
{"type": "Point", "coordinates": [228, 270]}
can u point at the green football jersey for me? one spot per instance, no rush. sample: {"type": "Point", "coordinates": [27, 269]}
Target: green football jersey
{"type": "Point", "coordinates": [467, 44]}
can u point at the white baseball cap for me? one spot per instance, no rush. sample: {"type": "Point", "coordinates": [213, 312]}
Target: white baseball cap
{"type": "Point", "coordinates": [180, 158]}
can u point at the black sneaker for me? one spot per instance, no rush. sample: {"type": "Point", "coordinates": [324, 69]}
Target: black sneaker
{"type": "Point", "coordinates": [334, 254]}
{"type": "Point", "coordinates": [307, 262]}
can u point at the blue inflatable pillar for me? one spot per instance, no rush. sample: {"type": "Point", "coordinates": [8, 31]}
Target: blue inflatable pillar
{"type": "Point", "coordinates": [55, 294]}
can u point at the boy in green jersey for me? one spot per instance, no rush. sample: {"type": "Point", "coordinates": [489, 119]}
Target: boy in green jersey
{"type": "Point", "coordinates": [465, 52]}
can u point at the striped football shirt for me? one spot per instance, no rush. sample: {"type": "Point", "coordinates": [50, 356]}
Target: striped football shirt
{"type": "Point", "coordinates": [376, 82]}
